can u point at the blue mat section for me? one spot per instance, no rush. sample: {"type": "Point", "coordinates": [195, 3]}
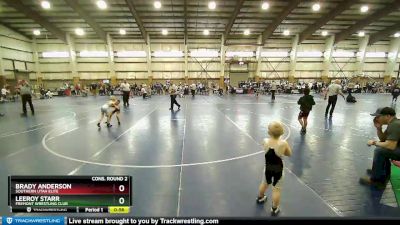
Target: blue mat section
{"type": "Point", "coordinates": [326, 162]}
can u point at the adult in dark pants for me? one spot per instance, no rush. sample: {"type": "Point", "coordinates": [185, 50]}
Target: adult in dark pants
{"type": "Point", "coordinates": [387, 148]}
{"type": "Point", "coordinates": [273, 90]}
{"type": "Point", "coordinates": [193, 89]}
{"type": "Point", "coordinates": [395, 93]}
{"type": "Point", "coordinates": [173, 93]}
{"type": "Point", "coordinates": [26, 96]}
{"type": "Point", "coordinates": [333, 91]}
{"type": "Point", "coordinates": [126, 89]}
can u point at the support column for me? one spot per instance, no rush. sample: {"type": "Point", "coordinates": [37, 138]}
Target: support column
{"type": "Point", "coordinates": [148, 52]}
{"type": "Point", "coordinates": [222, 64]}
{"type": "Point", "coordinates": [39, 77]}
{"type": "Point", "coordinates": [362, 47]}
{"type": "Point", "coordinates": [111, 60]}
{"type": "Point", "coordinates": [2, 70]}
{"type": "Point", "coordinates": [72, 58]}
{"type": "Point", "coordinates": [259, 49]}
{"type": "Point", "coordinates": [392, 59]}
{"type": "Point", "coordinates": [186, 65]}
{"type": "Point", "coordinates": [327, 58]}
{"type": "Point", "coordinates": [293, 58]}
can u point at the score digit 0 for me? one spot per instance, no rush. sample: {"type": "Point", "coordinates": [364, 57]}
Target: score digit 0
{"type": "Point", "coordinates": [121, 200]}
{"type": "Point", "coordinates": [121, 188]}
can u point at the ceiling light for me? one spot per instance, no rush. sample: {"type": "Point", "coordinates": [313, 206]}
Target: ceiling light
{"type": "Point", "coordinates": [316, 7]}
{"type": "Point", "coordinates": [324, 33]}
{"type": "Point", "coordinates": [79, 31]}
{"type": "Point", "coordinates": [36, 32]}
{"type": "Point", "coordinates": [246, 32]}
{"type": "Point", "coordinates": [265, 6]}
{"type": "Point", "coordinates": [361, 34]}
{"type": "Point", "coordinates": [286, 32]}
{"type": "Point", "coordinates": [375, 54]}
{"type": "Point", "coordinates": [122, 32]}
{"type": "Point", "coordinates": [206, 32]}
{"type": "Point", "coordinates": [45, 4]}
{"type": "Point", "coordinates": [212, 5]}
{"type": "Point", "coordinates": [101, 4]}
{"type": "Point", "coordinates": [164, 32]}
{"type": "Point", "coordinates": [364, 8]}
{"type": "Point", "coordinates": [397, 34]}
{"type": "Point", "coordinates": [157, 4]}
{"type": "Point", "coordinates": [343, 54]}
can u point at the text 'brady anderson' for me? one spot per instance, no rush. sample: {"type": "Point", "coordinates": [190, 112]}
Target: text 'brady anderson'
{"type": "Point", "coordinates": [43, 186]}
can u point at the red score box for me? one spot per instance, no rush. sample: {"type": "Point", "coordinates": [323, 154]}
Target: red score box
{"type": "Point", "coordinates": [122, 188]}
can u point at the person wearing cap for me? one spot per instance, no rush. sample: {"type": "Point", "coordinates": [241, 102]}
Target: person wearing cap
{"type": "Point", "coordinates": [333, 91]}
{"type": "Point", "coordinates": [387, 147]}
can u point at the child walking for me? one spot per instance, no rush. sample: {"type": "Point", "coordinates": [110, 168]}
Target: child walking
{"type": "Point", "coordinates": [306, 102]}
{"type": "Point", "coordinates": [275, 149]}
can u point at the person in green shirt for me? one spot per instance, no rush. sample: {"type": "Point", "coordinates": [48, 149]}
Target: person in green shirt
{"type": "Point", "coordinates": [306, 102]}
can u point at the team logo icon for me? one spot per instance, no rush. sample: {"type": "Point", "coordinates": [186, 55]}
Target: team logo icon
{"type": "Point", "coordinates": [9, 220]}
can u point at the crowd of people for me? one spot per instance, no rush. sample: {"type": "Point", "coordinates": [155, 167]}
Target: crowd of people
{"type": "Point", "coordinates": [275, 148]}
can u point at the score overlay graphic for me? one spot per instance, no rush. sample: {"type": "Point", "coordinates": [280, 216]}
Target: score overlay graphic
{"type": "Point", "coordinates": [86, 194]}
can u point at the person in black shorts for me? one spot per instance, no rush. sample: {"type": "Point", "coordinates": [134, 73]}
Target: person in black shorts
{"type": "Point", "coordinates": [306, 102]}
{"type": "Point", "coordinates": [275, 149]}
{"type": "Point", "coordinates": [116, 111]}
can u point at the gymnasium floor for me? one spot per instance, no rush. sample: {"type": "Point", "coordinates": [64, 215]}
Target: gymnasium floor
{"type": "Point", "coordinates": [204, 160]}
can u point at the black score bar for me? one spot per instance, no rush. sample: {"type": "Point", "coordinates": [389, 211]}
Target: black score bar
{"type": "Point", "coordinates": [109, 210]}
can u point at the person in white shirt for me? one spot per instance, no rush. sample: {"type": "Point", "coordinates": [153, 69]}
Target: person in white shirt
{"type": "Point", "coordinates": [126, 89]}
{"type": "Point", "coordinates": [193, 89]}
{"type": "Point", "coordinates": [106, 110]}
{"type": "Point", "coordinates": [333, 91]}
{"type": "Point", "coordinates": [49, 94]}
{"type": "Point", "coordinates": [273, 90]}
{"type": "Point", "coordinates": [173, 89]}
{"type": "Point", "coordinates": [4, 92]}
{"type": "Point", "coordinates": [144, 91]}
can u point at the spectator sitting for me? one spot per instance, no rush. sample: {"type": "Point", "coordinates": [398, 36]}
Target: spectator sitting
{"type": "Point", "coordinates": [350, 98]}
{"type": "Point", "coordinates": [49, 94]}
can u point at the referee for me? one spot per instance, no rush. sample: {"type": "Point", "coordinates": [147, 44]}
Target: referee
{"type": "Point", "coordinates": [26, 96]}
{"type": "Point", "coordinates": [173, 93]}
{"type": "Point", "coordinates": [333, 91]}
{"type": "Point", "coordinates": [126, 89]}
